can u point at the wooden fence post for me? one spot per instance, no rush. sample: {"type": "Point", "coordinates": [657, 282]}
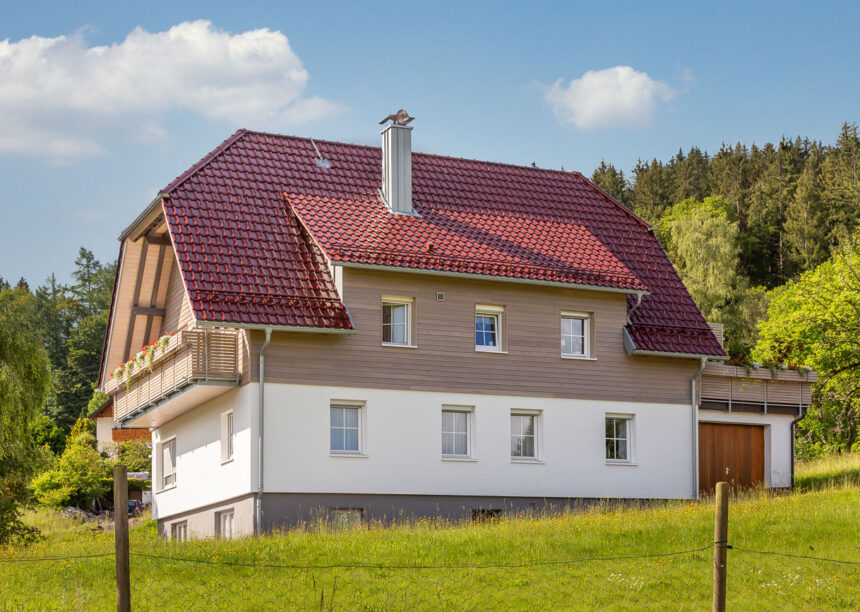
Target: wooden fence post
{"type": "Point", "coordinates": [721, 534]}
{"type": "Point", "coordinates": [120, 521]}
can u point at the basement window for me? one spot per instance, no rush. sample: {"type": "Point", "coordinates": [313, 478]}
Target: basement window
{"type": "Point", "coordinates": [343, 519]}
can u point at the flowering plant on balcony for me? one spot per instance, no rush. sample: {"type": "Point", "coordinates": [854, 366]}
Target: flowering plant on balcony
{"type": "Point", "coordinates": [774, 366]}
{"type": "Point", "coordinates": [144, 359]}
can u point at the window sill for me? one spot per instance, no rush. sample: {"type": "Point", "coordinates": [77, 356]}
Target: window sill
{"type": "Point", "coordinates": [459, 459]}
{"type": "Point", "coordinates": [491, 351]}
{"type": "Point", "coordinates": [627, 463]}
{"type": "Point", "coordinates": [527, 460]}
{"type": "Point", "coordinates": [348, 454]}
{"type": "Point", "coordinates": [167, 488]}
{"type": "Point", "coordinates": [395, 345]}
{"type": "Point", "coordinates": [575, 358]}
{"type": "Point", "coordinates": [226, 461]}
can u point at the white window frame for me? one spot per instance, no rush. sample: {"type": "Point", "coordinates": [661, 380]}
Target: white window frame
{"type": "Point", "coordinates": [631, 438]}
{"type": "Point", "coordinates": [469, 411]}
{"type": "Point", "coordinates": [161, 473]}
{"type": "Point", "coordinates": [393, 300]}
{"type": "Point", "coordinates": [179, 531]}
{"type": "Point", "coordinates": [219, 524]}
{"type": "Point", "coordinates": [360, 406]}
{"type": "Point", "coordinates": [587, 320]}
{"type": "Point", "coordinates": [538, 435]}
{"type": "Point", "coordinates": [498, 312]}
{"type": "Point", "coordinates": [228, 436]}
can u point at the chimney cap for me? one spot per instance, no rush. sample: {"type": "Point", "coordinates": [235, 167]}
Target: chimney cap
{"type": "Point", "coordinates": [401, 117]}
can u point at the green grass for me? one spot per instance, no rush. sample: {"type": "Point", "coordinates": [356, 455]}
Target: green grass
{"type": "Point", "coordinates": [833, 470]}
{"type": "Point", "coordinates": [822, 523]}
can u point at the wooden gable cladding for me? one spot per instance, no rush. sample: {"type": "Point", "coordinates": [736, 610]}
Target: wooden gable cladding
{"type": "Point", "coordinates": [150, 298]}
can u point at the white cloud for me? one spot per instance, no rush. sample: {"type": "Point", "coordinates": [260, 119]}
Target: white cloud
{"type": "Point", "coordinates": [613, 97]}
{"type": "Point", "coordinates": [61, 98]}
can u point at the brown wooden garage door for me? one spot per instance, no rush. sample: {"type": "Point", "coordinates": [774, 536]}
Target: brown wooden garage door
{"type": "Point", "coordinates": [733, 453]}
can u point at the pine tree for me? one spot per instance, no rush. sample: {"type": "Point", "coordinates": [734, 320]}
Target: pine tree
{"type": "Point", "coordinates": [805, 229]}
{"type": "Point", "coordinates": [650, 196]}
{"type": "Point", "coordinates": [841, 177]}
{"type": "Point", "coordinates": [612, 181]}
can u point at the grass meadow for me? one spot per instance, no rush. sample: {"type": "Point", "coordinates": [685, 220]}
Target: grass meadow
{"type": "Point", "coordinates": [607, 556]}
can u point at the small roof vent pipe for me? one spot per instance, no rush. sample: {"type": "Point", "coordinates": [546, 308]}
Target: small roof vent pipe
{"type": "Point", "coordinates": [397, 162]}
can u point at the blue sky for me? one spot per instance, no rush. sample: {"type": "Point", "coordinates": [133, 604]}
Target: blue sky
{"type": "Point", "coordinates": [94, 124]}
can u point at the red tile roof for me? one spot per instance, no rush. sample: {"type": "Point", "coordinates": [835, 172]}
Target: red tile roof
{"type": "Point", "coordinates": [255, 220]}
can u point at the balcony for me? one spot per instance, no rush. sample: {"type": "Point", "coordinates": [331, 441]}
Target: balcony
{"type": "Point", "coordinates": [759, 390]}
{"type": "Point", "coordinates": [194, 367]}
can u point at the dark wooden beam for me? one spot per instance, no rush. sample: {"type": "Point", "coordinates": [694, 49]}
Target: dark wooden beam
{"type": "Point", "coordinates": [147, 311]}
{"type": "Point", "coordinates": [132, 320]}
{"type": "Point", "coordinates": [153, 298]}
{"type": "Point", "coordinates": [163, 240]}
{"type": "Point", "coordinates": [155, 223]}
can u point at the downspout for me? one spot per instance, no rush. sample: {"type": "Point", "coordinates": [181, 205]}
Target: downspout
{"type": "Point", "coordinates": [793, 429]}
{"type": "Point", "coordinates": [703, 361]}
{"type": "Point", "coordinates": [259, 519]}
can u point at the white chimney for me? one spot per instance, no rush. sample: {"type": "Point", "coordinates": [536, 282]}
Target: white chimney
{"type": "Point", "coordinates": [397, 167]}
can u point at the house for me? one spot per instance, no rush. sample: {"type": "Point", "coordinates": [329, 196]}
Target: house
{"type": "Point", "coordinates": [107, 431]}
{"type": "Point", "coordinates": [354, 332]}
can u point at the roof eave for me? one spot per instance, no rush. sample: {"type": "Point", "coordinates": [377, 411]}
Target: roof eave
{"type": "Point", "coordinates": [488, 277]}
{"type": "Point", "coordinates": [156, 202]}
{"type": "Point", "coordinates": [631, 349]}
{"type": "Point", "coordinates": [264, 326]}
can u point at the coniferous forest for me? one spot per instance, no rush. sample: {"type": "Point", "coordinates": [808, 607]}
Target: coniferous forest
{"type": "Point", "coordinates": [764, 236]}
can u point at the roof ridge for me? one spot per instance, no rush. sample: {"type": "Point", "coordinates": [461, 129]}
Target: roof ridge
{"type": "Point", "coordinates": [438, 155]}
{"type": "Point", "coordinates": [205, 160]}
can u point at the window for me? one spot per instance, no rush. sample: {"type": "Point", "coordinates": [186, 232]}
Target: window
{"type": "Point", "coordinates": [345, 429]}
{"type": "Point", "coordinates": [575, 335]}
{"type": "Point", "coordinates": [224, 524]}
{"type": "Point", "coordinates": [168, 463]}
{"type": "Point", "coordinates": [396, 321]}
{"type": "Point", "coordinates": [524, 436]}
{"type": "Point", "coordinates": [618, 434]}
{"type": "Point", "coordinates": [226, 436]}
{"type": "Point", "coordinates": [346, 518]}
{"type": "Point", "coordinates": [455, 433]}
{"type": "Point", "coordinates": [488, 328]}
{"type": "Point", "coordinates": [179, 531]}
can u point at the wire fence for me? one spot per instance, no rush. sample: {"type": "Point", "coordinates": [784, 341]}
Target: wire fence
{"type": "Point", "coordinates": [676, 579]}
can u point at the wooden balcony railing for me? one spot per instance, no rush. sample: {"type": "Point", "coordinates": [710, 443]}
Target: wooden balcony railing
{"type": "Point", "coordinates": [191, 356]}
{"type": "Point", "coordinates": [733, 388]}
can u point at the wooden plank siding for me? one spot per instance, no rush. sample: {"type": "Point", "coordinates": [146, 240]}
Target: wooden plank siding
{"type": "Point", "coordinates": [445, 358]}
{"type": "Point", "coordinates": [178, 315]}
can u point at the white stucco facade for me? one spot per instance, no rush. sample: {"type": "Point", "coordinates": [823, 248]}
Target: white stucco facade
{"type": "Point", "coordinates": [401, 446]}
{"type": "Point", "coordinates": [104, 432]}
{"type": "Point", "coordinates": [401, 454]}
{"type": "Point", "coordinates": [202, 478]}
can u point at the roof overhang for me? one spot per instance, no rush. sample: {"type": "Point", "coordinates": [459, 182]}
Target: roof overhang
{"type": "Point", "coordinates": [631, 349]}
{"type": "Point", "coordinates": [99, 412]}
{"type": "Point", "coordinates": [287, 328]}
{"type": "Point", "coordinates": [153, 206]}
{"type": "Point", "coordinates": [487, 277]}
